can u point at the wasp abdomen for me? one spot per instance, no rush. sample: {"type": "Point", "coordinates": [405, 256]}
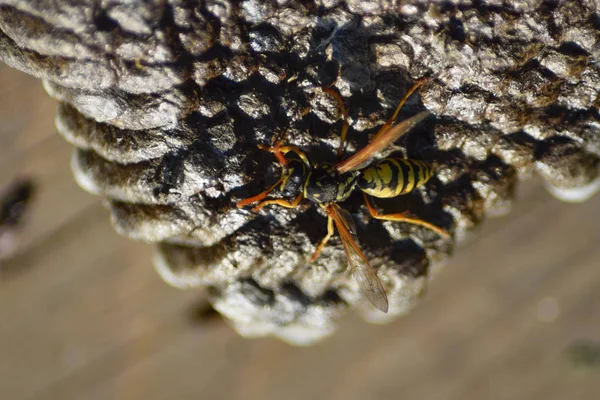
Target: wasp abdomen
{"type": "Point", "coordinates": [392, 177]}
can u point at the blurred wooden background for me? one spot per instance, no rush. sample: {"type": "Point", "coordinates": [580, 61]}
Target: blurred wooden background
{"type": "Point", "coordinates": [85, 316]}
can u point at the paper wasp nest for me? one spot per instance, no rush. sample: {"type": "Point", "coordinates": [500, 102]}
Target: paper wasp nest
{"type": "Point", "coordinates": [166, 101]}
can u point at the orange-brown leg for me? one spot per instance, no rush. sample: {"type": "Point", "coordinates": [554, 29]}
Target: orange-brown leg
{"type": "Point", "coordinates": [280, 202]}
{"type": "Point", "coordinates": [258, 197]}
{"type": "Point", "coordinates": [278, 150]}
{"type": "Point", "coordinates": [392, 119]}
{"type": "Point", "coordinates": [401, 217]}
{"type": "Point", "coordinates": [345, 125]}
{"type": "Point", "coordinates": [330, 231]}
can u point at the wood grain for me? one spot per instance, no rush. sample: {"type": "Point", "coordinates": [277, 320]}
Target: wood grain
{"type": "Point", "coordinates": [85, 316]}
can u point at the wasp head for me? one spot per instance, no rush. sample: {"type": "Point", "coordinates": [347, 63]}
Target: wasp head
{"type": "Point", "coordinates": [293, 177]}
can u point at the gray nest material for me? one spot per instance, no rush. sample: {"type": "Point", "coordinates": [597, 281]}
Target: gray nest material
{"type": "Point", "coordinates": [166, 102]}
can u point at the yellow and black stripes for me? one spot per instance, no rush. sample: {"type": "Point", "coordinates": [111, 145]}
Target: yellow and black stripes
{"type": "Point", "coordinates": [392, 177]}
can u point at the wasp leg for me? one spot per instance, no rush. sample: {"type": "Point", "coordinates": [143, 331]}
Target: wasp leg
{"type": "Point", "coordinates": [278, 150]}
{"type": "Point", "coordinates": [345, 125]}
{"type": "Point", "coordinates": [258, 197]}
{"type": "Point", "coordinates": [325, 239]}
{"type": "Point", "coordinates": [401, 217]}
{"type": "Point", "coordinates": [280, 202]}
{"type": "Point", "coordinates": [392, 119]}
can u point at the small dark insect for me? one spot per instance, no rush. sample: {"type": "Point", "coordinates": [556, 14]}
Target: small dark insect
{"type": "Point", "coordinates": [327, 185]}
{"type": "Point", "coordinates": [13, 205]}
{"type": "Point", "coordinates": [203, 313]}
{"type": "Point", "coordinates": [585, 354]}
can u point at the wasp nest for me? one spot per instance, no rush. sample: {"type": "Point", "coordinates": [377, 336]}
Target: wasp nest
{"type": "Point", "coordinates": [166, 102]}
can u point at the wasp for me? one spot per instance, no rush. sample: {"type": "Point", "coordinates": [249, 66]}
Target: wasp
{"type": "Point", "coordinates": [327, 185]}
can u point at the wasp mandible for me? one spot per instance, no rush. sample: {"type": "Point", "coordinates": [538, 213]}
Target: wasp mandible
{"type": "Point", "coordinates": [329, 184]}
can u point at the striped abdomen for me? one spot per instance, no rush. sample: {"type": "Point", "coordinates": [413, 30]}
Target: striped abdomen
{"type": "Point", "coordinates": [394, 176]}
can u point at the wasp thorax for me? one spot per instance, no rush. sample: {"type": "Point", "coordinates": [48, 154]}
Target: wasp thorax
{"type": "Point", "coordinates": [324, 184]}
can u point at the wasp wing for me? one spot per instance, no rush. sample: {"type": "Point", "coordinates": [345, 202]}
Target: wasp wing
{"type": "Point", "coordinates": [346, 219]}
{"type": "Point", "coordinates": [379, 142]}
{"type": "Point", "coordinates": [365, 275]}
